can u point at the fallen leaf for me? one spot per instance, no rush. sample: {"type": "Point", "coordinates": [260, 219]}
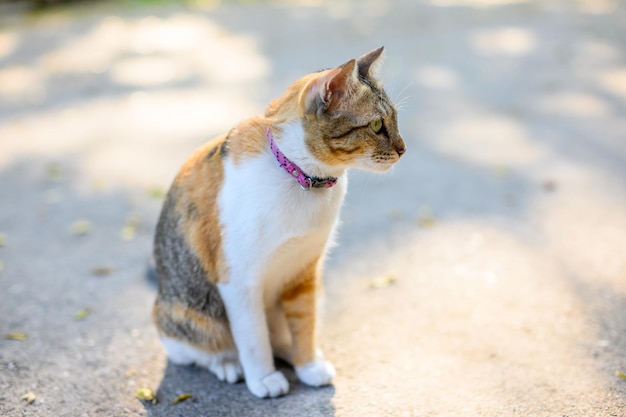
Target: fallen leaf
{"type": "Point", "coordinates": [16, 336]}
{"type": "Point", "coordinates": [29, 398]}
{"type": "Point", "coordinates": [102, 271]}
{"type": "Point", "coordinates": [129, 231]}
{"type": "Point", "coordinates": [3, 240]}
{"type": "Point", "coordinates": [131, 372]}
{"type": "Point", "coordinates": [383, 281]}
{"type": "Point", "coordinates": [55, 173]}
{"type": "Point", "coordinates": [427, 221]}
{"type": "Point", "coordinates": [620, 374]}
{"type": "Point", "coordinates": [81, 227]}
{"type": "Point", "coordinates": [425, 218]}
{"type": "Point", "coordinates": [82, 314]}
{"type": "Point", "coordinates": [157, 193]}
{"type": "Point", "coordinates": [181, 397]}
{"type": "Point", "coordinates": [146, 394]}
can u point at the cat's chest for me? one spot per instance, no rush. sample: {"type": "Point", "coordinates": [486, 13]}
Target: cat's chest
{"type": "Point", "coordinates": [269, 223]}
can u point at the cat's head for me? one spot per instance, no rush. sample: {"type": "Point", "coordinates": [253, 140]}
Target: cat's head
{"type": "Point", "coordinates": [349, 120]}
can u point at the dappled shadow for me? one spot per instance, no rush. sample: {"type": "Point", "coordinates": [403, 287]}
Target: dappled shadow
{"type": "Point", "coordinates": [498, 234]}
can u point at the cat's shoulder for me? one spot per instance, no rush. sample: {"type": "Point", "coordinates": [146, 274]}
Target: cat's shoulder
{"type": "Point", "coordinates": [247, 140]}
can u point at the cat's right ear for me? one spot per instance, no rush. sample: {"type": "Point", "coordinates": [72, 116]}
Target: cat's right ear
{"type": "Point", "coordinates": [326, 93]}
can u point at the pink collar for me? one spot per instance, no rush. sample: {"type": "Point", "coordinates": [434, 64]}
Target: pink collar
{"type": "Point", "coordinates": [306, 182]}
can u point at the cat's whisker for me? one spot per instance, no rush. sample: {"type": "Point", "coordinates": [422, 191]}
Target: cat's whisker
{"type": "Point", "coordinates": [402, 103]}
{"type": "Point", "coordinates": [403, 91]}
{"type": "Point", "coordinates": [393, 84]}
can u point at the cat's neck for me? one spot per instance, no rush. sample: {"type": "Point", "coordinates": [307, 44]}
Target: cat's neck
{"type": "Point", "coordinates": [291, 141]}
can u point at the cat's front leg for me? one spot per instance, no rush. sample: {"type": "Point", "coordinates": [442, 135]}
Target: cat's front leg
{"type": "Point", "coordinates": [299, 303]}
{"type": "Point", "coordinates": [246, 314]}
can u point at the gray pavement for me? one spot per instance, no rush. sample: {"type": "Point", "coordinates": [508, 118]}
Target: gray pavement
{"type": "Point", "coordinates": [484, 276]}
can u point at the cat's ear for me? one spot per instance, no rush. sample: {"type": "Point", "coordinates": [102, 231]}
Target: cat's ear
{"type": "Point", "coordinates": [370, 63]}
{"type": "Point", "coordinates": [328, 90]}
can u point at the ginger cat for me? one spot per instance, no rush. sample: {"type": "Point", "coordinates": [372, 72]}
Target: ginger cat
{"type": "Point", "coordinates": [244, 229]}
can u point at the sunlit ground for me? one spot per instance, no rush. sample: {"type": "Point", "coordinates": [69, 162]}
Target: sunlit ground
{"type": "Point", "coordinates": [486, 275]}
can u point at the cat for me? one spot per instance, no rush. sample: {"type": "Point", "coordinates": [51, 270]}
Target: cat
{"type": "Point", "coordinates": [245, 226]}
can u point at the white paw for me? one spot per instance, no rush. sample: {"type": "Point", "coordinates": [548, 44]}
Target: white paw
{"type": "Point", "coordinates": [273, 385]}
{"type": "Point", "coordinates": [226, 370]}
{"type": "Point", "coordinates": [316, 373]}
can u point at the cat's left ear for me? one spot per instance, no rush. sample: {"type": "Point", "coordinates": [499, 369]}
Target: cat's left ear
{"type": "Point", "coordinates": [370, 63]}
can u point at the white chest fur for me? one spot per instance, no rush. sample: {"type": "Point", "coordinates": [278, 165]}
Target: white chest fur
{"type": "Point", "coordinates": [271, 227]}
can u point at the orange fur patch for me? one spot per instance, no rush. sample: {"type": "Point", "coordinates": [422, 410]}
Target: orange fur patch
{"type": "Point", "coordinates": [290, 106]}
{"type": "Point", "coordinates": [248, 139]}
{"type": "Point", "coordinates": [299, 301]}
{"type": "Point", "coordinates": [198, 185]}
{"type": "Point", "coordinates": [208, 334]}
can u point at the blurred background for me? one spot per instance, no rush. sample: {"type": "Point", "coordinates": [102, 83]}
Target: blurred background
{"type": "Point", "coordinates": [485, 275]}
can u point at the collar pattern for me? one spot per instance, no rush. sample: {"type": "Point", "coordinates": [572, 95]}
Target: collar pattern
{"type": "Point", "coordinates": [306, 182]}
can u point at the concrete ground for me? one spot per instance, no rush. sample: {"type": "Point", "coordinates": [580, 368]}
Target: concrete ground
{"type": "Point", "coordinates": [484, 276]}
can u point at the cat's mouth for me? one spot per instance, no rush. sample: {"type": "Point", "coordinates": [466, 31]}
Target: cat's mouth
{"type": "Point", "coordinates": [386, 167]}
{"type": "Point", "coordinates": [381, 163]}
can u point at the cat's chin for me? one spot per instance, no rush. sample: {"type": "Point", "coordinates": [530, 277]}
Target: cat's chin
{"type": "Point", "coordinates": [376, 167]}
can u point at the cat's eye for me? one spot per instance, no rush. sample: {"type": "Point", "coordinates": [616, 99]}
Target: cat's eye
{"type": "Point", "coordinates": [376, 125]}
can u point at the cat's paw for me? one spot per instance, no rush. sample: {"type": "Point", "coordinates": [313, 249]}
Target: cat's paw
{"type": "Point", "coordinates": [317, 373]}
{"type": "Point", "coordinates": [272, 385]}
{"type": "Point", "coordinates": [227, 370]}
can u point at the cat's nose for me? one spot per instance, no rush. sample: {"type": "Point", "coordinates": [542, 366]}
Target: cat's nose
{"type": "Point", "coordinates": [401, 150]}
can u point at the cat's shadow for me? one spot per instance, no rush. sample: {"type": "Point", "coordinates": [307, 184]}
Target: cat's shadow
{"type": "Point", "coordinates": [211, 397]}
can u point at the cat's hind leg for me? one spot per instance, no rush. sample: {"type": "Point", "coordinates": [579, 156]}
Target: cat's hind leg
{"type": "Point", "coordinates": [315, 373]}
{"type": "Point", "coordinates": [190, 337]}
{"type": "Point", "coordinates": [224, 365]}
{"type": "Point", "coordinates": [299, 304]}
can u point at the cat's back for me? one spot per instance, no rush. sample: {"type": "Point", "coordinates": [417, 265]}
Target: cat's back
{"type": "Point", "coordinates": [181, 256]}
